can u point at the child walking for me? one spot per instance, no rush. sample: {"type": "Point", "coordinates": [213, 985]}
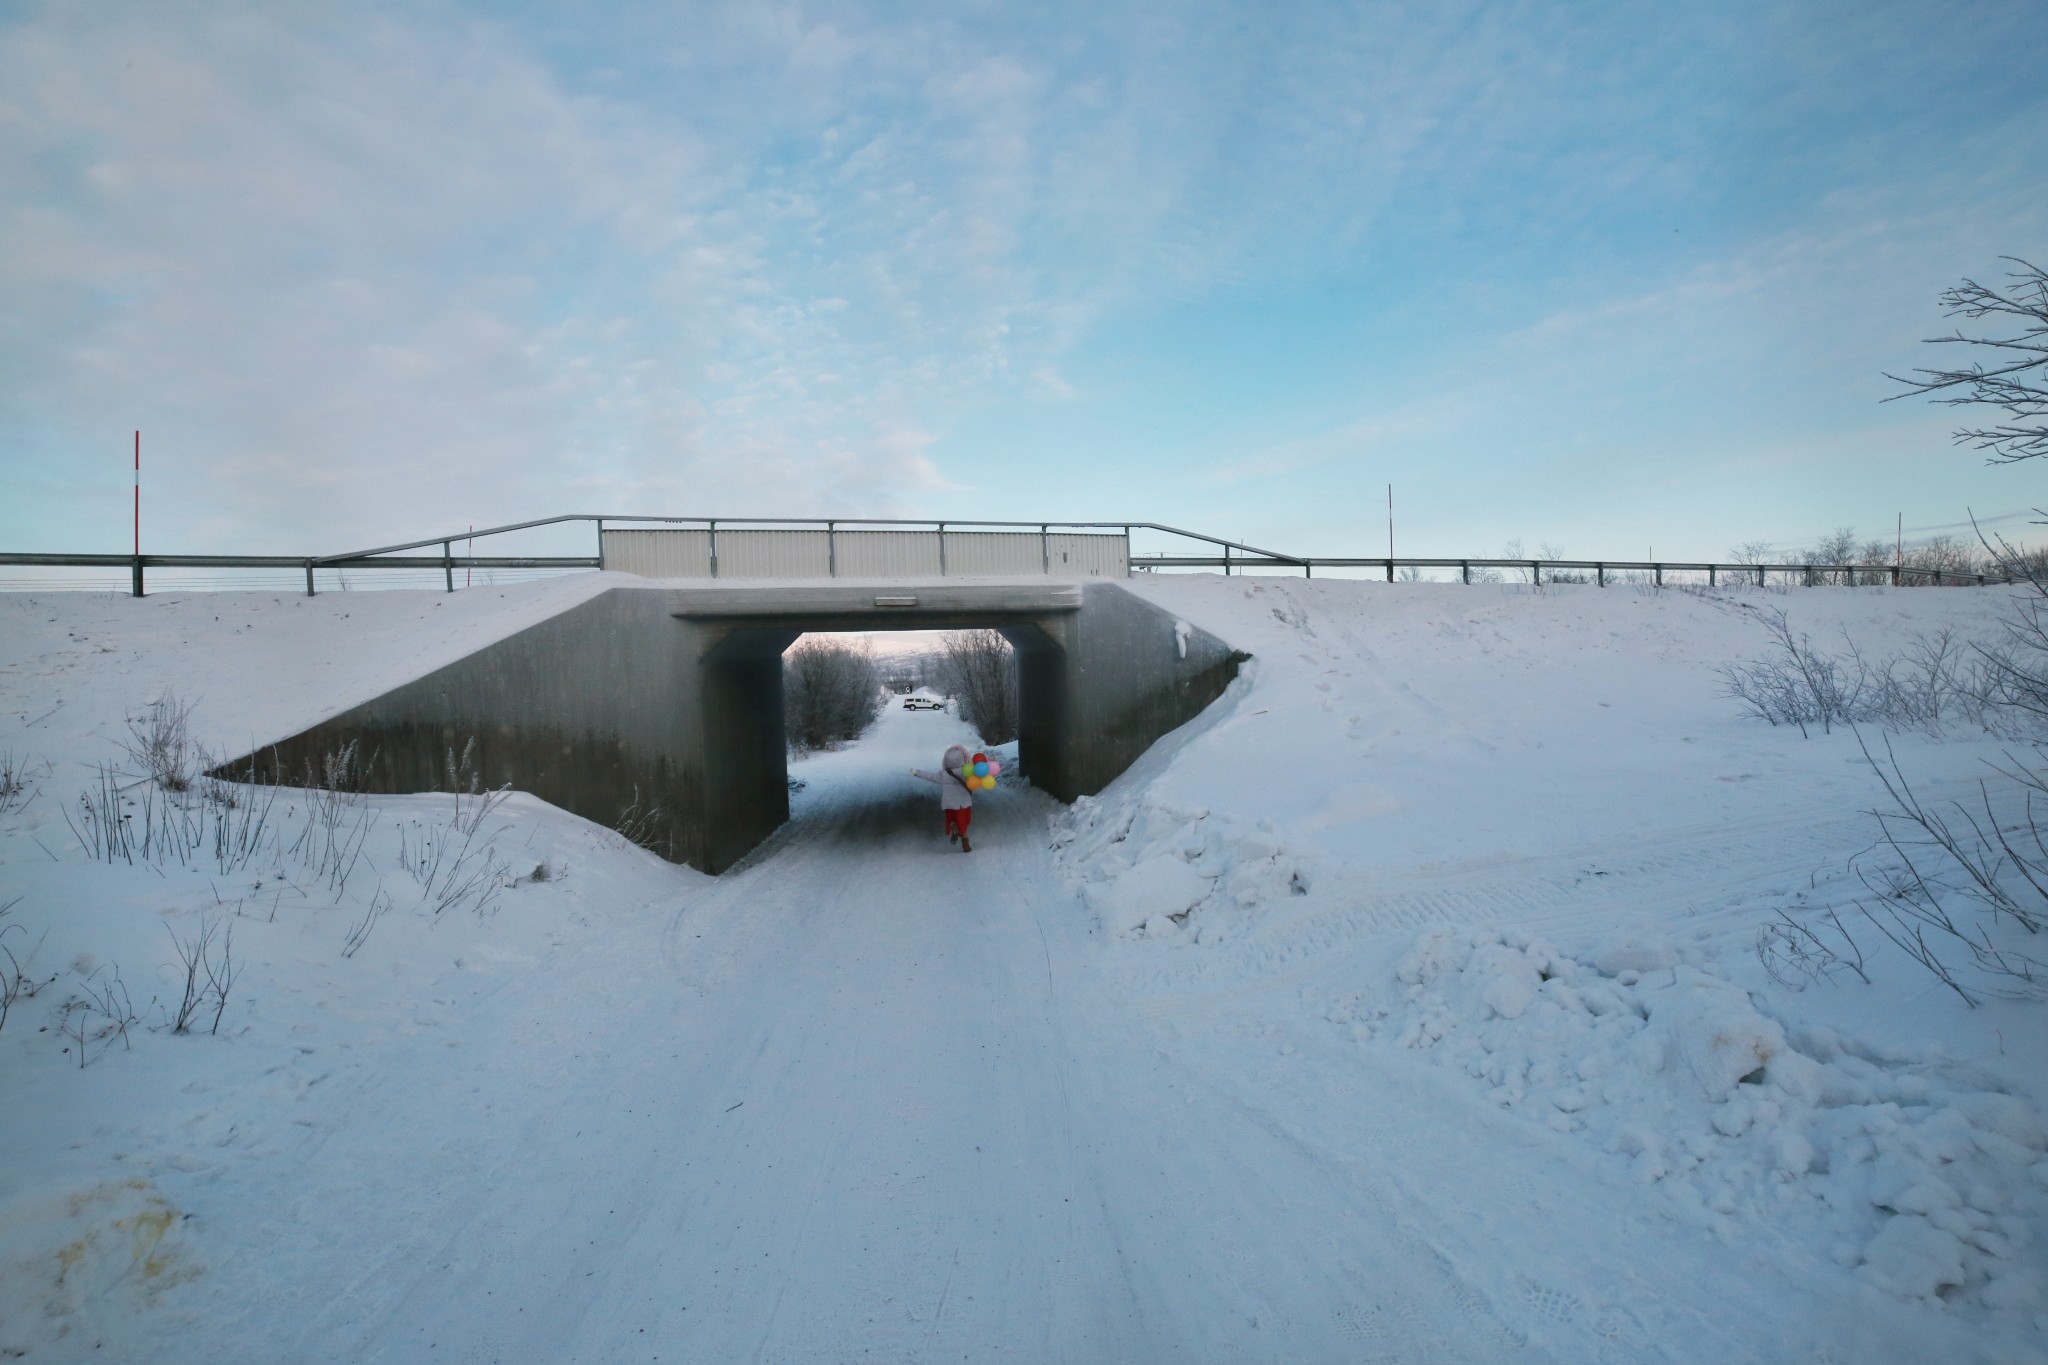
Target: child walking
{"type": "Point", "coordinates": [954, 798]}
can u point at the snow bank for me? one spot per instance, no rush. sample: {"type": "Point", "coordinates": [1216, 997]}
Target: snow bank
{"type": "Point", "coordinates": [1160, 871]}
{"type": "Point", "coordinates": [1928, 1184]}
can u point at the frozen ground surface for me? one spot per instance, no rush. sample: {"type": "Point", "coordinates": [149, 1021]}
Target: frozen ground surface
{"type": "Point", "coordinates": [1400, 1008]}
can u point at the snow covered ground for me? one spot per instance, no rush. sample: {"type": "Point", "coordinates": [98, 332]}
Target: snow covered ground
{"type": "Point", "coordinates": [1402, 1007]}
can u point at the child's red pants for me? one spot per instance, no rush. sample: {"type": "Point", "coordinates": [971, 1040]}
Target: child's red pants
{"type": "Point", "coordinates": [957, 820]}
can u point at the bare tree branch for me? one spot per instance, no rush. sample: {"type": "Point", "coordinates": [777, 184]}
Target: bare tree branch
{"type": "Point", "coordinates": [2025, 435]}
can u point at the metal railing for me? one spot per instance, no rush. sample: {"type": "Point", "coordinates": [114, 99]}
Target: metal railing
{"type": "Point", "coordinates": [1229, 555]}
{"type": "Point", "coordinates": [1573, 570]}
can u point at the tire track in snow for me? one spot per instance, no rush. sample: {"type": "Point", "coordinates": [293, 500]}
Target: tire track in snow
{"type": "Point", "coordinates": [1684, 872]}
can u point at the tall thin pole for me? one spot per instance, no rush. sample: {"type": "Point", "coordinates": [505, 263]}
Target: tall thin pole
{"type": "Point", "coordinates": [1899, 546]}
{"type": "Point", "coordinates": [1390, 528]}
{"type": "Point", "coordinates": [135, 575]}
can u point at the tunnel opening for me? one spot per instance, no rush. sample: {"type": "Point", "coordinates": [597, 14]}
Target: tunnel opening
{"type": "Point", "coordinates": [751, 669]}
{"type": "Point", "coordinates": [869, 717]}
{"type": "Point", "coordinates": [833, 682]}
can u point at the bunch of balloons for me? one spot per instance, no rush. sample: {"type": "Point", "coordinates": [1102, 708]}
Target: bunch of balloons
{"type": "Point", "coordinates": [980, 773]}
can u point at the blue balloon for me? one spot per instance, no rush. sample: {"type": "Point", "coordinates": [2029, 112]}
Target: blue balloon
{"type": "Point", "coordinates": [981, 770]}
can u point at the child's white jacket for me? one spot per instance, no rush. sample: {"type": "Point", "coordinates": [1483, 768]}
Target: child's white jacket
{"type": "Point", "coordinates": [953, 793]}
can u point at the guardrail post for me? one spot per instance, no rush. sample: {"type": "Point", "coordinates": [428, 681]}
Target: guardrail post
{"type": "Point", "coordinates": [309, 578]}
{"type": "Point", "coordinates": [1759, 575]}
{"type": "Point", "coordinates": [1465, 570]}
{"type": "Point", "coordinates": [1895, 575]}
{"type": "Point", "coordinates": [1536, 572]}
{"type": "Point", "coordinates": [714, 549]}
{"type": "Point", "coordinates": [1658, 570]}
{"type": "Point", "coordinates": [1226, 559]}
{"type": "Point", "coordinates": [831, 550]}
{"type": "Point", "coordinates": [1600, 573]}
{"type": "Point", "coordinates": [1390, 569]}
{"type": "Point", "coordinates": [600, 544]}
{"type": "Point", "coordinates": [448, 563]}
{"type": "Point", "coordinates": [942, 549]}
{"type": "Point", "coordinates": [1045, 549]}
{"type": "Point", "coordinates": [1308, 568]}
{"type": "Point", "coordinates": [1711, 569]}
{"type": "Point", "coordinates": [135, 585]}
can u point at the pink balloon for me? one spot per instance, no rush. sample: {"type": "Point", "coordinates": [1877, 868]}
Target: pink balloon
{"type": "Point", "coordinates": [994, 768]}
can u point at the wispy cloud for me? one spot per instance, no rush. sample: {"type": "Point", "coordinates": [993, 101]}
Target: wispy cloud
{"type": "Point", "coordinates": [1354, 441]}
{"type": "Point", "coordinates": [742, 257]}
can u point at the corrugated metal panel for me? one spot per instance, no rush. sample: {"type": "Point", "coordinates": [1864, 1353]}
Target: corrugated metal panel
{"type": "Point", "coordinates": [1090, 556]}
{"type": "Point", "coordinates": [773, 554]}
{"type": "Point", "coordinates": [888, 554]}
{"type": "Point", "coordinates": [993, 553]}
{"type": "Point", "coordinates": [865, 554]}
{"type": "Point", "coordinates": [658, 554]}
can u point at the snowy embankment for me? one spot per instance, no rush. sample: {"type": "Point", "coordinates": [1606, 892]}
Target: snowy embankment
{"type": "Point", "coordinates": [1506, 769]}
{"type": "Point", "coordinates": [1403, 1006]}
{"type": "Point", "coordinates": [320, 929]}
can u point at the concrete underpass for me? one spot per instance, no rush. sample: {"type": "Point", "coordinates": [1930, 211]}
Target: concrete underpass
{"type": "Point", "coordinates": [661, 706]}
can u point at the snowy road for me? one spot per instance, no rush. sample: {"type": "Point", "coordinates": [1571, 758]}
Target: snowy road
{"type": "Point", "coordinates": [868, 1098]}
{"type": "Point", "coordinates": [834, 1109]}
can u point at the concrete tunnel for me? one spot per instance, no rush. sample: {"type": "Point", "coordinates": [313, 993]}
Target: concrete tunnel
{"type": "Point", "coordinates": [664, 703]}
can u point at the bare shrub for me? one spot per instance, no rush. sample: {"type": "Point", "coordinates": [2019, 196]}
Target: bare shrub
{"type": "Point", "coordinates": [207, 954]}
{"type": "Point", "coordinates": [337, 818]}
{"type": "Point", "coordinates": [831, 692]}
{"type": "Point", "coordinates": [1963, 890]}
{"type": "Point", "coordinates": [98, 1014]}
{"type": "Point", "coordinates": [474, 802]}
{"type": "Point", "coordinates": [145, 821]}
{"type": "Point", "coordinates": [160, 744]}
{"type": "Point", "coordinates": [103, 827]}
{"type": "Point", "coordinates": [2016, 667]}
{"type": "Point", "coordinates": [1512, 550]}
{"type": "Point", "coordinates": [980, 668]}
{"type": "Point", "coordinates": [1837, 547]}
{"type": "Point", "coordinates": [1798, 683]}
{"type": "Point", "coordinates": [1549, 551]}
{"type": "Point", "coordinates": [359, 932]}
{"type": "Point", "coordinates": [17, 777]}
{"type": "Point", "coordinates": [237, 821]}
{"type": "Point", "coordinates": [1935, 678]}
{"type": "Point", "coordinates": [454, 870]}
{"type": "Point", "coordinates": [644, 823]}
{"type": "Point", "coordinates": [15, 982]}
{"type": "Point", "coordinates": [1943, 555]}
{"type": "Point", "coordinates": [2019, 563]}
{"type": "Point", "coordinates": [1796, 951]}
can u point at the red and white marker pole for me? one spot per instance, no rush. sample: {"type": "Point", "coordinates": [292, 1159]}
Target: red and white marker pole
{"type": "Point", "coordinates": [137, 585]}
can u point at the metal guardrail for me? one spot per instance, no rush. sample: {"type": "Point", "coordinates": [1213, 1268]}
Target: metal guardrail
{"type": "Point", "coordinates": [138, 565]}
{"type": "Point", "coordinates": [1232, 557]}
{"type": "Point", "coordinates": [1863, 575]}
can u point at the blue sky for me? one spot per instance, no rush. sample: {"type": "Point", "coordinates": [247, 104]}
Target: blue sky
{"type": "Point", "coordinates": [1601, 276]}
